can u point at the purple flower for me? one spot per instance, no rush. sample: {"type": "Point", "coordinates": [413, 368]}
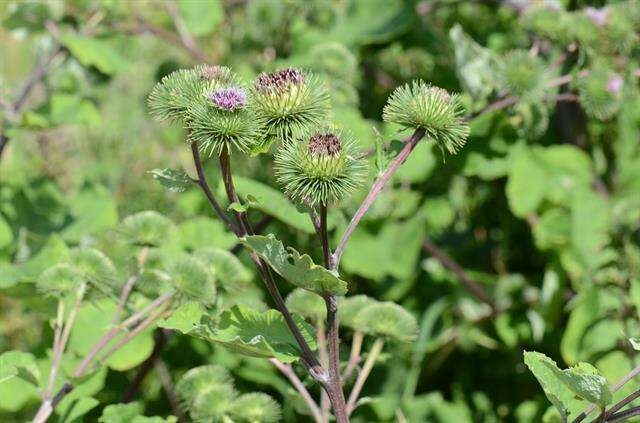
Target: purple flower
{"type": "Point", "coordinates": [597, 16]}
{"type": "Point", "coordinates": [229, 99]}
{"type": "Point", "coordinates": [280, 79]}
{"type": "Point", "coordinates": [615, 84]}
{"type": "Point", "coordinates": [325, 145]}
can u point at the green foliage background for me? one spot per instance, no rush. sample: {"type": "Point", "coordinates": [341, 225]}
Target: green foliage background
{"type": "Point", "coordinates": [541, 208]}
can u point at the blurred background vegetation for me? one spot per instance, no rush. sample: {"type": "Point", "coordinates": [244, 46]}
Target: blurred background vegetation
{"type": "Point", "coordinates": [503, 215]}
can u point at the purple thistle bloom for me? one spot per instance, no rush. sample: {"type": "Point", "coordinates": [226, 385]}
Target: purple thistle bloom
{"type": "Point", "coordinates": [325, 145]}
{"type": "Point", "coordinates": [280, 79]}
{"type": "Point", "coordinates": [615, 84]}
{"type": "Point", "coordinates": [230, 99]}
{"type": "Point", "coordinates": [597, 16]}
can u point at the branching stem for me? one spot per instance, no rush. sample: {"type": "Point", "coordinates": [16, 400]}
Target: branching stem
{"type": "Point", "coordinates": [364, 374]}
{"type": "Point", "coordinates": [374, 192]}
{"type": "Point", "coordinates": [286, 370]}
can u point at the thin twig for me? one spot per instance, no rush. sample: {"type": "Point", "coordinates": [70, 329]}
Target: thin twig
{"type": "Point", "coordinates": [354, 355]}
{"type": "Point", "coordinates": [169, 390]}
{"type": "Point", "coordinates": [286, 370]}
{"type": "Point", "coordinates": [202, 182]}
{"type": "Point", "coordinates": [472, 286]}
{"type": "Point", "coordinates": [364, 374]}
{"type": "Point", "coordinates": [187, 40]}
{"type": "Point", "coordinates": [374, 192]}
{"type": "Point", "coordinates": [626, 400]}
{"type": "Point", "coordinates": [624, 415]}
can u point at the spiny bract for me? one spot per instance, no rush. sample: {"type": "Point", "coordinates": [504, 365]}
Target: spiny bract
{"type": "Point", "coordinates": [320, 167]}
{"type": "Point", "coordinates": [419, 105]}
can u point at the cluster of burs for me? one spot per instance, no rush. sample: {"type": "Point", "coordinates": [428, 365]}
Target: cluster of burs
{"type": "Point", "coordinates": [289, 111]}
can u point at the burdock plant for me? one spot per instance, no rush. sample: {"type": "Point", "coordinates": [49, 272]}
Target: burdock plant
{"type": "Point", "coordinates": [318, 166]}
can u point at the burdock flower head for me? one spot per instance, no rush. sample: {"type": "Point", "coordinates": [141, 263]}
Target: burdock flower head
{"type": "Point", "coordinates": [320, 167]}
{"type": "Point", "coordinates": [229, 99]}
{"type": "Point", "coordinates": [422, 106]}
{"type": "Point", "coordinates": [175, 93]}
{"type": "Point", "coordinates": [290, 101]}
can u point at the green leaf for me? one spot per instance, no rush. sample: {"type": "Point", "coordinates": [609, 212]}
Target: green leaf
{"type": "Point", "coordinates": [21, 365]}
{"type": "Point", "coordinates": [273, 203]}
{"type": "Point", "coordinates": [95, 52]}
{"type": "Point", "coordinates": [54, 251]}
{"type": "Point", "coordinates": [307, 304]}
{"type": "Point", "coordinates": [201, 232]}
{"type": "Point", "coordinates": [130, 413]}
{"type": "Point", "coordinates": [256, 333]}
{"type": "Point", "coordinates": [200, 17]}
{"type": "Point", "coordinates": [184, 319]}
{"type": "Point", "coordinates": [72, 109]}
{"type": "Point", "coordinates": [562, 386]}
{"type": "Point", "coordinates": [295, 268]}
{"type": "Point", "coordinates": [93, 210]}
{"type": "Point", "coordinates": [6, 235]}
{"type": "Point", "coordinates": [350, 307]}
{"type": "Point", "coordinates": [526, 185]}
{"type": "Point", "coordinates": [475, 65]}
{"type": "Point", "coordinates": [388, 320]}
{"type": "Point", "coordinates": [173, 180]}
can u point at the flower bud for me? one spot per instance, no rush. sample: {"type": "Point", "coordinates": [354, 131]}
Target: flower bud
{"type": "Point", "coordinates": [320, 167]}
{"type": "Point", "coordinates": [422, 106]}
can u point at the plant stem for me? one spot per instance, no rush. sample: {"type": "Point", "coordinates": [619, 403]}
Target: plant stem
{"type": "Point", "coordinates": [169, 390]}
{"type": "Point", "coordinates": [364, 374]}
{"type": "Point", "coordinates": [624, 415]}
{"type": "Point", "coordinates": [334, 356]}
{"type": "Point", "coordinates": [354, 355]}
{"type": "Point", "coordinates": [64, 338]}
{"type": "Point", "coordinates": [622, 403]}
{"type": "Point", "coordinates": [472, 286]}
{"type": "Point", "coordinates": [202, 182]}
{"type": "Point", "coordinates": [308, 357]}
{"type": "Point", "coordinates": [374, 192]}
{"type": "Point", "coordinates": [324, 237]}
{"type": "Point", "coordinates": [286, 370]}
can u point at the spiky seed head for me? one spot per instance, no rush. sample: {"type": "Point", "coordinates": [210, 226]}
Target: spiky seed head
{"type": "Point", "coordinates": [321, 166]}
{"type": "Point", "coordinates": [193, 280]}
{"type": "Point", "coordinates": [290, 101]}
{"type": "Point", "coordinates": [601, 92]}
{"type": "Point", "coordinates": [216, 74]}
{"type": "Point", "coordinates": [522, 74]}
{"type": "Point", "coordinates": [228, 99]}
{"type": "Point", "coordinates": [419, 105]}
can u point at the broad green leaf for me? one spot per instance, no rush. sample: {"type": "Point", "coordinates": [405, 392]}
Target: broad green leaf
{"type": "Point", "coordinates": [6, 236]}
{"type": "Point", "coordinates": [54, 251]}
{"type": "Point", "coordinates": [201, 232]}
{"type": "Point", "coordinates": [307, 304]}
{"type": "Point", "coordinates": [200, 17]}
{"type": "Point", "coordinates": [582, 381]}
{"type": "Point", "coordinates": [184, 319]}
{"type": "Point", "coordinates": [72, 109]}
{"type": "Point", "coordinates": [590, 217]}
{"type": "Point", "coordinates": [256, 334]}
{"type": "Point", "coordinates": [388, 320]}
{"type": "Point", "coordinates": [77, 409]}
{"type": "Point", "coordinates": [93, 210]}
{"type": "Point", "coordinates": [273, 203]}
{"type": "Point", "coordinates": [349, 307]}
{"type": "Point", "coordinates": [130, 413]}
{"type": "Point", "coordinates": [295, 268]}
{"type": "Point", "coordinates": [21, 365]}
{"type": "Point", "coordinates": [173, 180]}
{"type": "Point", "coordinates": [95, 52]}
{"type": "Point", "coordinates": [526, 185]}
{"type": "Point", "coordinates": [475, 65]}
